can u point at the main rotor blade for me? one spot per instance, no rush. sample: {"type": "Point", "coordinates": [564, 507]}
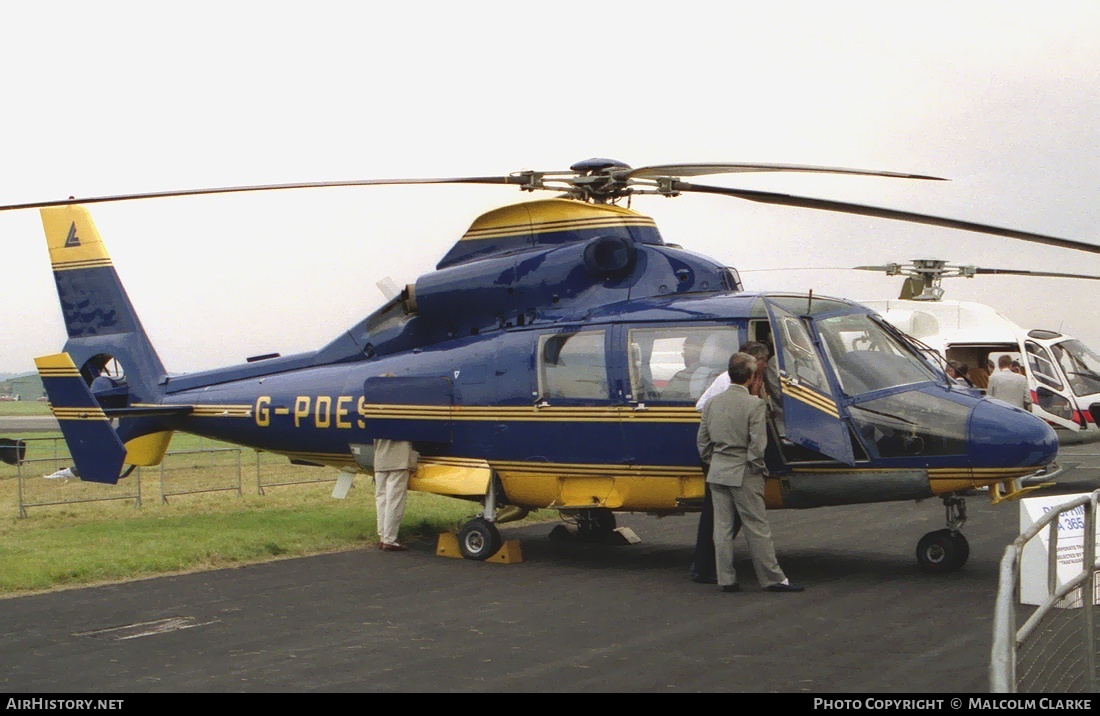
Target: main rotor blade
{"type": "Point", "coordinates": [767, 197]}
{"type": "Point", "coordinates": [263, 187]}
{"type": "Point", "coordinates": [694, 170]}
{"type": "Point", "coordinates": [1019, 272]}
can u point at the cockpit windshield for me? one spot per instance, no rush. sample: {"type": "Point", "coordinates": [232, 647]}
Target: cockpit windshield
{"type": "Point", "coordinates": [867, 357]}
{"type": "Point", "coordinates": [1081, 365]}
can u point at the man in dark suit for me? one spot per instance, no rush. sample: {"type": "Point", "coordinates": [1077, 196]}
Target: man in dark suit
{"type": "Point", "coordinates": [732, 438]}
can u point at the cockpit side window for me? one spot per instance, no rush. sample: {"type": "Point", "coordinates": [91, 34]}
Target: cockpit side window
{"type": "Point", "coordinates": [573, 365]}
{"type": "Point", "coordinates": [1081, 365]}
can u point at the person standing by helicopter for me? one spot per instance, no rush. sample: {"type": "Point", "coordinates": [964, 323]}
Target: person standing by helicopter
{"type": "Point", "coordinates": [702, 568]}
{"type": "Point", "coordinates": [762, 381]}
{"type": "Point", "coordinates": [732, 438]}
{"type": "Point", "coordinates": [957, 372]}
{"type": "Point", "coordinates": [1008, 385]}
{"type": "Point", "coordinates": [394, 460]}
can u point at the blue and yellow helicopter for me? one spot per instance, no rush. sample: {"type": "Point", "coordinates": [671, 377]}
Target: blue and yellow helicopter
{"type": "Point", "coordinates": [552, 361]}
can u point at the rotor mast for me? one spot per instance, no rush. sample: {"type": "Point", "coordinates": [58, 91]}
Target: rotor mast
{"type": "Point", "coordinates": [924, 277]}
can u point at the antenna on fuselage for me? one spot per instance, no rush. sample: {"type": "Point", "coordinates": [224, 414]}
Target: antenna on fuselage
{"type": "Point", "coordinates": [388, 288]}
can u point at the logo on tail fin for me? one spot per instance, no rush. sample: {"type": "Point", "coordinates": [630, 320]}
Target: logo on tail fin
{"type": "Point", "coordinates": [72, 239]}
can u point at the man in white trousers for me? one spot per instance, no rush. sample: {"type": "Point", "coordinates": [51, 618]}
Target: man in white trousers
{"type": "Point", "coordinates": [394, 461]}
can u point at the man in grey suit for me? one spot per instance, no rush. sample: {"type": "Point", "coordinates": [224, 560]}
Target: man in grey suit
{"type": "Point", "coordinates": [732, 437]}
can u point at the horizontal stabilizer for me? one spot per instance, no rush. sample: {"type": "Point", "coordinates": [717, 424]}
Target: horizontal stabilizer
{"type": "Point", "coordinates": [144, 411]}
{"type": "Point", "coordinates": [93, 443]}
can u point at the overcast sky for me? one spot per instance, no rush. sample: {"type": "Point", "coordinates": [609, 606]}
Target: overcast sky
{"type": "Point", "coordinates": [1001, 97]}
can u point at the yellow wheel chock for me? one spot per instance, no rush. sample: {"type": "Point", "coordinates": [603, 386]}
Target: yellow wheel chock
{"type": "Point", "coordinates": [509, 552]}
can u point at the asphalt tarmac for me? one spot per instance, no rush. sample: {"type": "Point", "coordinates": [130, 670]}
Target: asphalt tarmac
{"type": "Point", "coordinates": [16, 425]}
{"type": "Point", "coordinates": [569, 618]}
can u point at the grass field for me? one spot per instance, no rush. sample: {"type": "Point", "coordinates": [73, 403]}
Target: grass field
{"type": "Point", "coordinates": [216, 508]}
{"type": "Point", "coordinates": [24, 407]}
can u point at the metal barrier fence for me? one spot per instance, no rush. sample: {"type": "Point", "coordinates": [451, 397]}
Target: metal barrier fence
{"type": "Point", "coordinates": [181, 472]}
{"type": "Point", "coordinates": [274, 470]}
{"type": "Point", "coordinates": [51, 456]}
{"type": "Point", "coordinates": [204, 470]}
{"type": "Point", "coordinates": [1055, 651]}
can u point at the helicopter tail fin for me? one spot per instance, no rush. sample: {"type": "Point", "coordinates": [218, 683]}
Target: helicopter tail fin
{"type": "Point", "coordinates": [108, 369]}
{"type": "Point", "coordinates": [101, 323]}
{"type": "Point", "coordinates": [96, 449]}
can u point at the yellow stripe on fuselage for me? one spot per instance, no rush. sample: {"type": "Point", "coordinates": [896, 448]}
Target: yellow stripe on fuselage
{"type": "Point", "coordinates": [479, 413]}
{"type": "Point", "coordinates": [810, 397]}
{"type": "Point", "coordinates": [490, 413]}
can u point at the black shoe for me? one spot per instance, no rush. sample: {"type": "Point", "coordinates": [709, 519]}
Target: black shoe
{"type": "Point", "coordinates": [784, 588]}
{"type": "Point", "coordinates": [704, 579]}
{"type": "Point", "coordinates": [735, 587]}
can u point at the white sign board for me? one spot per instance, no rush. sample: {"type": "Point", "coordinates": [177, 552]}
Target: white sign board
{"type": "Point", "coordinates": [1071, 549]}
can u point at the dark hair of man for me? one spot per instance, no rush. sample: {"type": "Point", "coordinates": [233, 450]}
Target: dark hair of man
{"type": "Point", "coordinates": [1005, 361]}
{"type": "Point", "coordinates": [757, 350]}
{"type": "Point", "coordinates": [741, 368]}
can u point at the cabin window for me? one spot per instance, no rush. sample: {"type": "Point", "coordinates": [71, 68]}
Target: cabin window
{"type": "Point", "coordinates": [678, 364]}
{"type": "Point", "coordinates": [573, 365]}
{"type": "Point", "coordinates": [868, 358]}
{"type": "Point", "coordinates": [1042, 367]}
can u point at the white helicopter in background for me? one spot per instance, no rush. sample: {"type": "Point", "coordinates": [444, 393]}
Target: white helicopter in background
{"type": "Point", "coordinates": [1063, 372]}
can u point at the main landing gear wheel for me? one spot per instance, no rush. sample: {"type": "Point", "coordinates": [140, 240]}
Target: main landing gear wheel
{"type": "Point", "coordinates": [942, 551]}
{"type": "Point", "coordinates": [593, 525]}
{"type": "Point", "coordinates": [596, 524]}
{"type": "Point", "coordinates": [479, 539]}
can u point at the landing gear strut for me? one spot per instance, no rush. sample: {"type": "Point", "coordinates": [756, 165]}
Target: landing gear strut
{"type": "Point", "coordinates": [479, 539]}
{"type": "Point", "coordinates": [945, 550]}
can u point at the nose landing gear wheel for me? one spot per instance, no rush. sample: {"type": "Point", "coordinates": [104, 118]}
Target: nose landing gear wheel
{"type": "Point", "coordinates": [942, 551]}
{"type": "Point", "coordinates": [479, 540]}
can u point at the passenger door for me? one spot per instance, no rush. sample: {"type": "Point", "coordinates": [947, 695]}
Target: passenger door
{"type": "Point", "coordinates": [810, 416]}
{"type": "Point", "coordinates": [578, 418]}
{"type": "Point", "coordinates": [1053, 400]}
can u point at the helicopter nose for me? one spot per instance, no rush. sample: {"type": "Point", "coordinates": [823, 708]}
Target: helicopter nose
{"type": "Point", "coordinates": [1001, 435]}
